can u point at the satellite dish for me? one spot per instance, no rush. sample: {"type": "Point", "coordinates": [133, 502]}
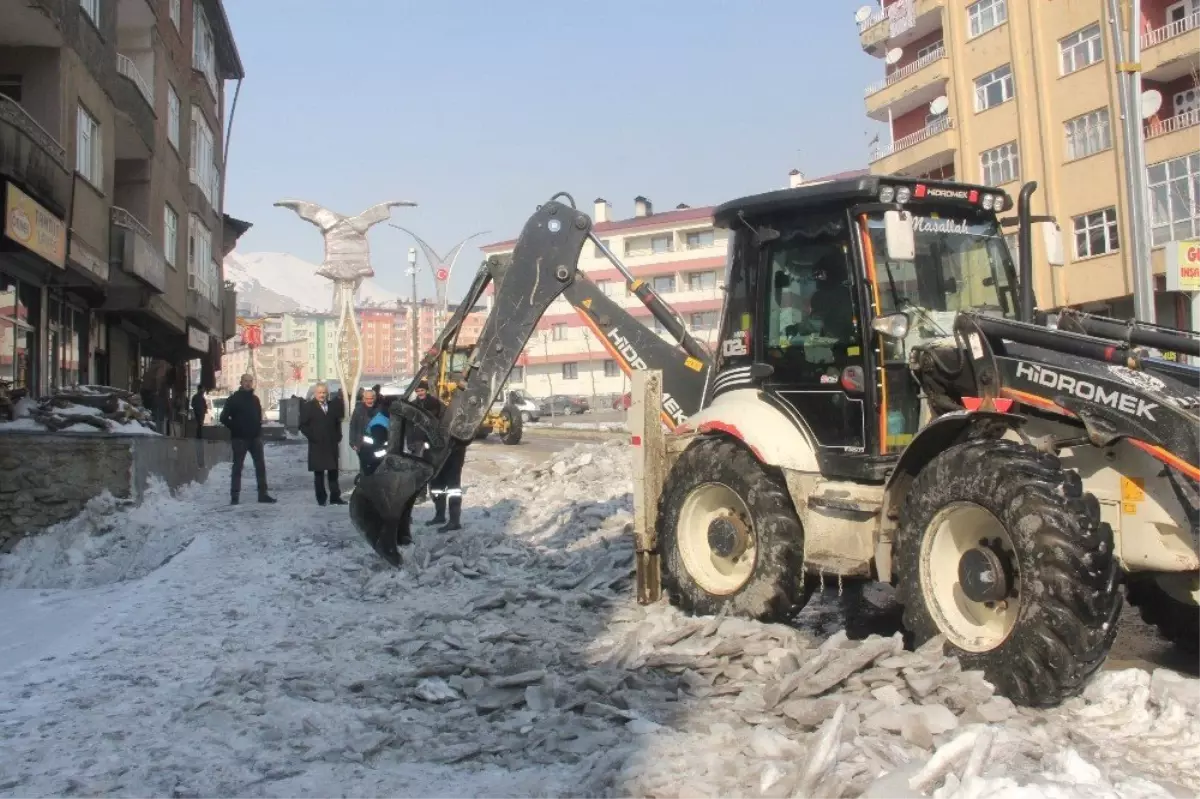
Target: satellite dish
{"type": "Point", "coordinates": [861, 15]}
{"type": "Point", "coordinates": [939, 105]}
{"type": "Point", "coordinates": [894, 55]}
{"type": "Point", "coordinates": [1152, 100]}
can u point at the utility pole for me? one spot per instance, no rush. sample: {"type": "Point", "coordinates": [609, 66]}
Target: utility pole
{"type": "Point", "coordinates": [1124, 18]}
{"type": "Point", "coordinates": [413, 321]}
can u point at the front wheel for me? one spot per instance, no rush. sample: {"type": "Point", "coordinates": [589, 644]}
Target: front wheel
{"type": "Point", "coordinates": [1000, 550]}
{"type": "Point", "coordinates": [729, 537]}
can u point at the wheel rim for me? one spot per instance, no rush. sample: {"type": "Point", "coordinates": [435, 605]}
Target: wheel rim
{"type": "Point", "coordinates": [716, 507]}
{"type": "Point", "coordinates": [954, 532]}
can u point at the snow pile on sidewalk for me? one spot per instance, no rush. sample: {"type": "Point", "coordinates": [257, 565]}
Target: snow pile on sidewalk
{"type": "Point", "coordinates": [101, 546]}
{"type": "Point", "coordinates": [82, 409]}
{"type": "Point", "coordinates": [276, 655]}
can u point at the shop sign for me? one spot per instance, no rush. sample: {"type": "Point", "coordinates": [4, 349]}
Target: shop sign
{"type": "Point", "coordinates": [34, 228]}
{"type": "Point", "coordinates": [86, 259]}
{"type": "Point", "coordinates": [1183, 265]}
{"type": "Point", "coordinates": [197, 339]}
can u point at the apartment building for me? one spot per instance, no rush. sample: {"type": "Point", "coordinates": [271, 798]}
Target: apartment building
{"type": "Point", "coordinates": [111, 158]}
{"type": "Point", "coordinates": [1002, 92]}
{"type": "Point", "coordinates": [678, 251]}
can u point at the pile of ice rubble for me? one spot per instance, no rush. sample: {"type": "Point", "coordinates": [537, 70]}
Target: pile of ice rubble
{"type": "Point", "coordinates": [81, 409]}
{"type": "Point", "coordinates": [510, 659]}
{"type": "Point", "coordinates": [658, 704]}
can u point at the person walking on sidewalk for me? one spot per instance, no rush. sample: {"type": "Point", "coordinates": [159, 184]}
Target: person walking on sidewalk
{"type": "Point", "coordinates": [199, 410]}
{"type": "Point", "coordinates": [321, 424]}
{"type": "Point", "coordinates": [243, 416]}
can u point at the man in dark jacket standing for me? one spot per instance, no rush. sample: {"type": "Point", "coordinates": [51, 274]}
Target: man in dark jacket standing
{"type": "Point", "coordinates": [199, 410]}
{"type": "Point", "coordinates": [321, 424]}
{"type": "Point", "coordinates": [243, 416]}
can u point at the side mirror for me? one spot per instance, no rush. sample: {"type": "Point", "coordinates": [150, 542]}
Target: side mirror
{"type": "Point", "coordinates": [1052, 238]}
{"type": "Point", "coordinates": [899, 236]}
{"type": "Point", "coordinates": [894, 325]}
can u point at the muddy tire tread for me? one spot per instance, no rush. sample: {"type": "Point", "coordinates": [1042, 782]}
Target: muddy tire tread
{"type": "Point", "coordinates": [1061, 637]}
{"type": "Point", "coordinates": [777, 589]}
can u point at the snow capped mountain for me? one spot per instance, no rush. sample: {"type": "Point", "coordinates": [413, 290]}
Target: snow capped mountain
{"type": "Point", "coordinates": [277, 282]}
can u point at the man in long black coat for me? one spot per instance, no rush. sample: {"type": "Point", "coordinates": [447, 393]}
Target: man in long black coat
{"type": "Point", "coordinates": [321, 424]}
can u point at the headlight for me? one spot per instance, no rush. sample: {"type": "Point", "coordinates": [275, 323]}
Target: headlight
{"type": "Point", "coordinates": [886, 194]}
{"type": "Point", "coordinates": [903, 194]}
{"type": "Point", "coordinates": [988, 202]}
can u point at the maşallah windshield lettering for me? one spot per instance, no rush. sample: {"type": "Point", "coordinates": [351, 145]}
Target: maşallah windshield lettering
{"type": "Point", "coordinates": [927, 224]}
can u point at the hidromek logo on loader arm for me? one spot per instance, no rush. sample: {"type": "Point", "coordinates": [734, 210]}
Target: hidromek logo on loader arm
{"type": "Point", "coordinates": [1086, 390]}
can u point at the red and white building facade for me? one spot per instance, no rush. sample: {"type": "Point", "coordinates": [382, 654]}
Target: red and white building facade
{"type": "Point", "coordinates": [678, 252]}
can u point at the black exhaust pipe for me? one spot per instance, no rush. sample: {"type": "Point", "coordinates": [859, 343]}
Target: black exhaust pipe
{"type": "Point", "coordinates": [1025, 250]}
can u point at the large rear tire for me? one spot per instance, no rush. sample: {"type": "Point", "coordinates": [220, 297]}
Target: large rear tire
{"type": "Point", "coordinates": [729, 537]}
{"type": "Point", "coordinates": [1177, 622]}
{"type": "Point", "coordinates": [993, 518]}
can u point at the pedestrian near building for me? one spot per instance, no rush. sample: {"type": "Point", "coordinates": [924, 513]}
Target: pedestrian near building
{"type": "Point", "coordinates": [321, 424]}
{"type": "Point", "coordinates": [243, 416]}
{"type": "Point", "coordinates": [199, 410]}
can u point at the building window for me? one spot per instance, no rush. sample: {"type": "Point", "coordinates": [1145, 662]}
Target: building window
{"type": "Point", "coordinates": [89, 150]}
{"type": "Point", "coordinates": [174, 13]}
{"type": "Point", "coordinates": [663, 243]}
{"type": "Point", "coordinates": [558, 331]}
{"type": "Point", "coordinates": [20, 308]}
{"type": "Point", "coordinates": [10, 87]}
{"type": "Point", "coordinates": [170, 234]}
{"type": "Point", "coordinates": [1088, 134]}
{"type": "Point", "coordinates": [984, 15]}
{"type": "Point", "coordinates": [700, 238]}
{"type": "Point", "coordinates": [517, 375]}
{"type": "Point", "coordinates": [704, 320]}
{"type": "Point", "coordinates": [92, 9]}
{"type": "Point", "coordinates": [1096, 233]}
{"type": "Point", "coordinates": [596, 249]}
{"type": "Point", "coordinates": [173, 114]}
{"type": "Point", "coordinates": [204, 56]}
{"type": "Point", "coordinates": [664, 284]}
{"type": "Point", "coordinates": [202, 164]}
{"type": "Point", "coordinates": [994, 88]}
{"type": "Point", "coordinates": [570, 371]}
{"type": "Point", "coordinates": [1081, 48]}
{"type": "Point", "coordinates": [1000, 165]}
{"type": "Point", "coordinates": [611, 369]}
{"type": "Point", "coordinates": [605, 286]}
{"type": "Point", "coordinates": [701, 281]}
{"type": "Point", "coordinates": [199, 255]}
{"type": "Point", "coordinates": [1174, 199]}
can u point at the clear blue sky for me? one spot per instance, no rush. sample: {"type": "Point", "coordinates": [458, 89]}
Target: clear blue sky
{"type": "Point", "coordinates": [478, 110]}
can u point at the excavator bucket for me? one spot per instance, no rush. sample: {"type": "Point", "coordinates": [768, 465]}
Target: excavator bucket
{"type": "Point", "coordinates": [382, 502]}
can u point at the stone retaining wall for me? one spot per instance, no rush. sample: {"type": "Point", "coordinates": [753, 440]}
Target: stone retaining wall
{"type": "Point", "coordinates": [46, 478]}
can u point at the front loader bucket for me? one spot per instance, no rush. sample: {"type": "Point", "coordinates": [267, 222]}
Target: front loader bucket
{"type": "Point", "coordinates": [381, 505]}
{"type": "Point", "coordinates": [382, 502]}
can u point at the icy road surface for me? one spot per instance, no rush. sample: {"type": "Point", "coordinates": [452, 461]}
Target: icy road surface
{"type": "Point", "coordinates": [189, 648]}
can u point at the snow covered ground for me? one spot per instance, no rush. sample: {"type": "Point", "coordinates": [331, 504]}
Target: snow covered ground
{"type": "Point", "coordinates": [188, 648]}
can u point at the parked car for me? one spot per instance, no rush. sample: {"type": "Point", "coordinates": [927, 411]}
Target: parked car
{"type": "Point", "coordinates": [527, 405]}
{"type": "Point", "coordinates": [562, 405]}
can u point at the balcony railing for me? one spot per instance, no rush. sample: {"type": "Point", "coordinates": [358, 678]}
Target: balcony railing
{"type": "Point", "coordinates": [1173, 124]}
{"type": "Point", "coordinates": [907, 70]}
{"type": "Point", "coordinates": [1168, 32]}
{"type": "Point", "coordinates": [12, 112]}
{"type": "Point", "coordinates": [872, 21]}
{"type": "Point", "coordinates": [126, 67]}
{"type": "Point", "coordinates": [134, 245]}
{"type": "Point", "coordinates": [929, 131]}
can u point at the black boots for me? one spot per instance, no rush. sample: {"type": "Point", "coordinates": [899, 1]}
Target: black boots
{"type": "Point", "coordinates": [455, 516]}
{"type": "Point", "coordinates": [439, 507]}
{"type": "Point", "coordinates": [266, 498]}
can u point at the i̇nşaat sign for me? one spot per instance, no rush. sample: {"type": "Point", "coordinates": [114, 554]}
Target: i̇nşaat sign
{"type": "Point", "coordinates": [1183, 265]}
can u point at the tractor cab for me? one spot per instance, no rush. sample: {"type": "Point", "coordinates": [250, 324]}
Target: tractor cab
{"type": "Point", "coordinates": [830, 286]}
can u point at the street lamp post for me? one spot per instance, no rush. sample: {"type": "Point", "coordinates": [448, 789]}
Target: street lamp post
{"type": "Point", "coordinates": [440, 267]}
{"type": "Point", "coordinates": [413, 321]}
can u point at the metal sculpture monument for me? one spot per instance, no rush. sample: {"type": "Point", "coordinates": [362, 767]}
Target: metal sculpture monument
{"type": "Point", "coordinates": [347, 264]}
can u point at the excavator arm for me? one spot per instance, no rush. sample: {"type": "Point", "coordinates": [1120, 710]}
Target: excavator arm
{"type": "Point", "coordinates": [544, 265]}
